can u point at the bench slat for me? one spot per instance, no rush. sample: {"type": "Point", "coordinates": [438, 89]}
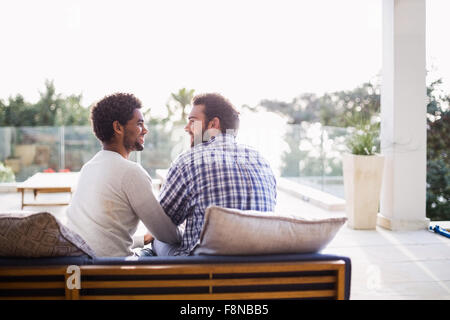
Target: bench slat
{"type": "Point", "coordinates": [221, 296]}
{"type": "Point", "coordinates": [204, 283]}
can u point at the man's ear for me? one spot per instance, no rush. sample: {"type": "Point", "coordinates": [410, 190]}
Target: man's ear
{"type": "Point", "coordinates": [117, 127]}
{"type": "Point", "coordinates": [213, 129]}
{"type": "Point", "coordinates": [214, 124]}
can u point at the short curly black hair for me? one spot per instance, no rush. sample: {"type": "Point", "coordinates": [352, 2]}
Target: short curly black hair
{"type": "Point", "coordinates": [117, 106]}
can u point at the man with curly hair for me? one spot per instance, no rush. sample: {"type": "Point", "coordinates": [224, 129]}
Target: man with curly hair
{"type": "Point", "coordinates": [114, 193]}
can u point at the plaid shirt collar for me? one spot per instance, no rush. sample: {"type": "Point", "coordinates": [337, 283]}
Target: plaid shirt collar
{"type": "Point", "coordinates": [222, 137]}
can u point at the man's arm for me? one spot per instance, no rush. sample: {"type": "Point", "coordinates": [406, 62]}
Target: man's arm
{"type": "Point", "coordinates": [141, 240]}
{"type": "Point", "coordinates": [137, 186]}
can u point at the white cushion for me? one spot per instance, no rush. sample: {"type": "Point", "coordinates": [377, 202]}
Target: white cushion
{"type": "Point", "coordinates": [237, 232]}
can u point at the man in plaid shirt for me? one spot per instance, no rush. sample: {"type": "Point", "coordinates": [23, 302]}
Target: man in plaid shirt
{"type": "Point", "coordinates": [215, 171]}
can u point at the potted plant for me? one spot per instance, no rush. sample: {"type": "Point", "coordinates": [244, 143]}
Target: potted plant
{"type": "Point", "coordinates": [363, 172]}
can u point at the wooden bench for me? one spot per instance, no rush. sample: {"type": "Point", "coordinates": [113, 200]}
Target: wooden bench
{"type": "Point", "coordinates": [300, 276]}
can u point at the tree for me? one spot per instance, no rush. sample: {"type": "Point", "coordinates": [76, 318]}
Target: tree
{"type": "Point", "coordinates": [339, 109]}
{"type": "Point", "coordinates": [179, 101]}
{"type": "Point", "coordinates": [48, 105]}
{"type": "Point", "coordinates": [52, 109]}
{"type": "Point", "coordinates": [17, 112]}
{"type": "Point", "coordinates": [291, 158]}
{"type": "Point", "coordinates": [72, 113]}
{"type": "Point", "coordinates": [438, 148]}
{"type": "Point", "coordinates": [301, 108]}
{"type": "Point", "coordinates": [362, 102]}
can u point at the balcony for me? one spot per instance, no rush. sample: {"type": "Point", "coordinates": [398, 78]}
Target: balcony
{"type": "Point", "coordinates": [386, 264]}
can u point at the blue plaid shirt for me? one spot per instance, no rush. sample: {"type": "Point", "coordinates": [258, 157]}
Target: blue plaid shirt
{"type": "Point", "coordinates": [218, 172]}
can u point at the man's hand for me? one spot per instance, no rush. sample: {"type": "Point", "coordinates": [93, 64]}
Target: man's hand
{"type": "Point", "coordinates": [148, 238]}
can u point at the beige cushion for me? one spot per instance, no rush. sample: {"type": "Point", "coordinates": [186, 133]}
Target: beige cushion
{"type": "Point", "coordinates": [38, 234]}
{"type": "Point", "coordinates": [236, 232]}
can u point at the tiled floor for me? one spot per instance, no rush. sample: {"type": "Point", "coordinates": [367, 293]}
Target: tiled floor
{"type": "Point", "coordinates": [385, 264]}
{"type": "Point", "coordinates": [396, 265]}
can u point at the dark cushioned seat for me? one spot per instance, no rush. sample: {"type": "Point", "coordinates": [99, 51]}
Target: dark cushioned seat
{"type": "Point", "coordinates": [216, 259]}
{"type": "Point", "coordinates": [55, 261]}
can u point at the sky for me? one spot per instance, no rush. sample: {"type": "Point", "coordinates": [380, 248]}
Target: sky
{"type": "Point", "coordinates": [246, 50]}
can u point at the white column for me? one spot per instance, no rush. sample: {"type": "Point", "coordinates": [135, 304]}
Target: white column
{"type": "Point", "coordinates": [403, 116]}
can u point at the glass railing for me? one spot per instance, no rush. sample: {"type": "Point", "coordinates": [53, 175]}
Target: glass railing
{"type": "Point", "coordinates": [28, 150]}
{"type": "Point", "coordinates": [309, 153]}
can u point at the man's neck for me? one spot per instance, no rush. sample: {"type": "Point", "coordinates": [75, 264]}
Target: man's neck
{"type": "Point", "coordinates": [120, 149]}
{"type": "Point", "coordinates": [225, 135]}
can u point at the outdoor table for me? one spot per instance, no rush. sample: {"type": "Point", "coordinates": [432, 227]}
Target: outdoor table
{"type": "Point", "coordinates": [55, 182]}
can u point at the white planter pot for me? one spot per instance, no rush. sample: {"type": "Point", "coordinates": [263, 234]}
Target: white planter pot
{"type": "Point", "coordinates": [362, 183]}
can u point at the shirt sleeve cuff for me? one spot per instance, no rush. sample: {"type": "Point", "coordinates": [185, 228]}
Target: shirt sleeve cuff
{"type": "Point", "coordinates": [138, 241]}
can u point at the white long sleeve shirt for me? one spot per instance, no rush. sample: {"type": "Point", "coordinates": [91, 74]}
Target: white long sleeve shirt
{"type": "Point", "coordinates": [112, 195]}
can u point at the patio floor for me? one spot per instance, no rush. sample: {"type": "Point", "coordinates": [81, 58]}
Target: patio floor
{"type": "Point", "coordinates": [385, 264]}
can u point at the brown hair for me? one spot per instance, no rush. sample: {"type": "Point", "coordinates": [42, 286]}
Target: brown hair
{"type": "Point", "coordinates": [218, 106]}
